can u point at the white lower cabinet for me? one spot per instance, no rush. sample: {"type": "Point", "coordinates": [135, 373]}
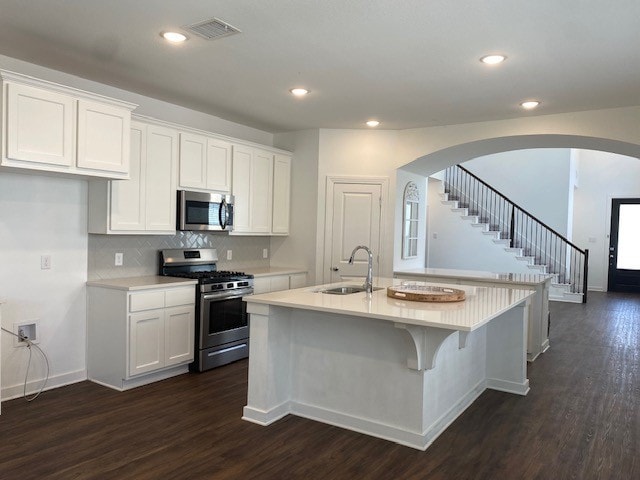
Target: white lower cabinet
{"type": "Point", "coordinates": [139, 337]}
{"type": "Point", "coordinates": [275, 283]}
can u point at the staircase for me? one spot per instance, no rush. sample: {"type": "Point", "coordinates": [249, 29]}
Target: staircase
{"type": "Point", "coordinates": [539, 247]}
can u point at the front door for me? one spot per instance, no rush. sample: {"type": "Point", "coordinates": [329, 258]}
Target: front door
{"type": "Point", "coordinates": [624, 245]}
{"type": "Point", "coordinates": [354, 220]}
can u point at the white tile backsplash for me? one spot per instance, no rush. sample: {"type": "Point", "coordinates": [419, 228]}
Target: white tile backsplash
{"type": "Point", "coordinates": [141, 252]}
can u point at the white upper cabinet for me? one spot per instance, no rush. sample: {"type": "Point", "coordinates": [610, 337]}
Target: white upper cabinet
{"type": "Point", "coordinates": [146, 203]}
{"type": "Point", "coordinates": [40, 126]}
{"type": "Point", "coordinates": [261, 190]}
{"type": "Point", "coordinates": [120, 206]}
{"type": "Point", "coordinates": [103, 137]}
{"type": "Point", "coordinates": [205, 163]}
{"type": "Point", "coordinates": [160, 188]}
{"type": "Point", "coordinates": [281, 194]}
{"type": "Point", "coordinates": [50, 127]}
{"type": "Point", "coordinates": [252, 190]}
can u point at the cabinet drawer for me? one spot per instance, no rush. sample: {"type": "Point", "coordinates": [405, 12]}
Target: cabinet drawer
{"type": "Point", "coordinates": [180, 296]}
{"type": "Point", "coordinates": [146, 301]}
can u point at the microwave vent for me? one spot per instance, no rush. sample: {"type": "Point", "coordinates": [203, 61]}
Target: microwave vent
{"type": "Point", "coordinates": [212, 29]}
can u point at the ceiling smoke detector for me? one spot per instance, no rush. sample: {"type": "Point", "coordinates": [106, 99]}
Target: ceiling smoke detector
{"type": "Point", "coordinates": [212, 29]}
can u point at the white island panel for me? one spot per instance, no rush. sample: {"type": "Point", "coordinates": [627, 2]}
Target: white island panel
{"type": "Point", "coordinates": [538, 322]}
{"type": "Point", "coordinates": [360, 368]}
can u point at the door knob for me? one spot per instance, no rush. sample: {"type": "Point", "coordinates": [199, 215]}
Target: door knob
{"type": "Point", "coordinates": [334, 269]}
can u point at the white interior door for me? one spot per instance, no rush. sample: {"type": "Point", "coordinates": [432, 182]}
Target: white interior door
{"type": "Point", "coordinates": [355, 220]}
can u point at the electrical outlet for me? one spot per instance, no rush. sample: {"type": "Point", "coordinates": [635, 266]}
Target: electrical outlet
{"type": "Point", "coordinates": [45, 262]}
{"type": "Point", "coordinates": [119, 259]}
{"type": "Point", "coordinates": [229, 255]}
{"type": "Point", "coordinates": [24, 329]}
{"type": "Point", "coordinates": [265, 253]}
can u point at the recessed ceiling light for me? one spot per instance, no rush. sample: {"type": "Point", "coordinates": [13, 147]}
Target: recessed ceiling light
{"type": "Point", "coordinates": [299, 92]}
{"type": "Point", "coordinates": [528, 105]}
{"type": "Point", "coordinates": [493, 59]}
{"type": "Point", "coordinates": [373, 123]}
{"type": "Point", "coordinates": [174, 37]}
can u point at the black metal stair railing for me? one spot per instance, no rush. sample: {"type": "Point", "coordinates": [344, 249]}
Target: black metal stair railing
{"type": "Point", "coordinates": [548, 247]}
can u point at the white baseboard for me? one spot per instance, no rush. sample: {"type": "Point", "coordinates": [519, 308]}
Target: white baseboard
{"type": "Point", "coordinates": [414, 439]}
{"type": "Point", "coordinates": [17, 391]}
{"type": "Point", "coordinates": [266, 417]}
{"type": "Point", "coordinates": [508, 387]}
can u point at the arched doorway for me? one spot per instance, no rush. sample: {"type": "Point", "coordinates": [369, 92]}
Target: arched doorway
{"type": "Point", "coordinates": [437, 160]}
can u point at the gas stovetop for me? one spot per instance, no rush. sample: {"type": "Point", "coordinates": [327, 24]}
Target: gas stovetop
{"type": "Point", "coordinates": [213, 276]}
{"type": "Point", "coordinates": [199, 264]}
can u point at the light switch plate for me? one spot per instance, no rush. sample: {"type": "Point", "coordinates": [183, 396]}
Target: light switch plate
{"type": "Point", "coordinates": [45, 262]}
{"type": "Point", "coordinates": [229, 255]}
{"type": "Point", "coordinates": [119, 259]}
{"type": "Point", "coordinates": [265, 253]}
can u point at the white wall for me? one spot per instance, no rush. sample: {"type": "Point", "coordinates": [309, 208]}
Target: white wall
{"type": "Point", "coordinates": [601, 177]}
{"type": "Point", "coordinates": [299, 248]}
{"type": "Point", "coordinates": [536, 180]}
{"type": "Point", "coordinates": [43, 216]}
{"type": "Point", "coordinates": [429, 150]}
{"type": "Point", "coordinates": [360, 153]}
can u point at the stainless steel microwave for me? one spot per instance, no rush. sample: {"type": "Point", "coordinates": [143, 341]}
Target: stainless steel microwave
{"type": "Point", "coordinates": [204, 211]}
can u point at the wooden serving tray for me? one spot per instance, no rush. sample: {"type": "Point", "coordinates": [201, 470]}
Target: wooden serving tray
{"type": "Point", "coordinates": [425, 293]}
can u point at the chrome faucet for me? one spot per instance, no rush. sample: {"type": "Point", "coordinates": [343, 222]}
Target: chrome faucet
{"type": "Point", "coordinates": [368, 283]}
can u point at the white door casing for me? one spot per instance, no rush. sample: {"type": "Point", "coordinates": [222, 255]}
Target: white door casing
{"type": "Point", "coordinates": [354, 216]}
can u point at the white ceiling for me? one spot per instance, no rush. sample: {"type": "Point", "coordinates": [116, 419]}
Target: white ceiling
{"type": "Point", "coordinates": [408, 63]}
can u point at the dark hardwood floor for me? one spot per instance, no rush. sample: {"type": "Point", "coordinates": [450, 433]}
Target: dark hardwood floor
{"type": "Point", "coordinates": [581, 420]}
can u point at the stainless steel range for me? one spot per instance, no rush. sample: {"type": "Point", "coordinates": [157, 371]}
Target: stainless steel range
{"type": "Point", "coordinates": [222, 330]}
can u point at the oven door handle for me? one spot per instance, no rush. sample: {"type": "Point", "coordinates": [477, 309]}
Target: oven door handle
{"type": "Point", "coordinates": [225, 350]}
{"type": "Point", "coordinates": [223, 296]}
{"type": "Point", "coordinates": [223, 207]}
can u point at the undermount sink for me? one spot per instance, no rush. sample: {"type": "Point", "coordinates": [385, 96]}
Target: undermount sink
{"type": "Point", "coordinates": [346, 290]}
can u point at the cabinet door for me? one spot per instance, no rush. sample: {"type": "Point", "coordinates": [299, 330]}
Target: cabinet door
{"type": "Point", "coordinates": [261, 191]}
{"type": "Point", "coordinates": [40, 126]}
{"type": "Point", "coordinates": [280, 282]}
{"type": "Point", "coordinates": [160, 183]}
{"type": "Point", "coordinates": [218, 165]}
{"type": "Point", "coordinates": [103, 137]}
{"type": "Point", "coordinates": [127, 197]}
{"type": "Point", "coordinates": [281, 194]}
{"type": "Point", "coordinates": [179, 335]}
{"type": "Point", "coordinates": [261, 285]}
{"type": "Point", "coordinates": [146, 341]}
{"type": "Point", "coordinates": [297, 280]}
{"type": "Point", "coordinates": [193, 161]}
{"type": "Point", "coordinates": [241, 188]}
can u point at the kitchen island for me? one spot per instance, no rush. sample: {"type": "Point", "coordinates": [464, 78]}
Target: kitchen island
{"type": "Point", "coordinates": [390, 368]}
{"type": "Point", "coordinates": [538, 322]}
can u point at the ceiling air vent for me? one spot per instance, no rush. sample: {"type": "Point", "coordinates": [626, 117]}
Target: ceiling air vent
{"type": "Point", "coordinates": [212, 29]}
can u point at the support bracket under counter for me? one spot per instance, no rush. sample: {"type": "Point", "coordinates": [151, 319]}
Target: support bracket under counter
{"type": "Point", "coordinates": [423, 344]}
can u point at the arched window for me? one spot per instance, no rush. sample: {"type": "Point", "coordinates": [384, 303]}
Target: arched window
{"type": "Point", "coordinates": [410, 229]}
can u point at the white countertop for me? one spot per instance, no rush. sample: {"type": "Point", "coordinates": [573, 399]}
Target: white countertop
{"type": "Point", "coordinates": [141, 283]}
{"type": "Point", "coordinates": [508, 278]}
{"type": "Point", "coordinates": [271, 271]}
{"type": "Point", "coordinates": [481, 304]}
